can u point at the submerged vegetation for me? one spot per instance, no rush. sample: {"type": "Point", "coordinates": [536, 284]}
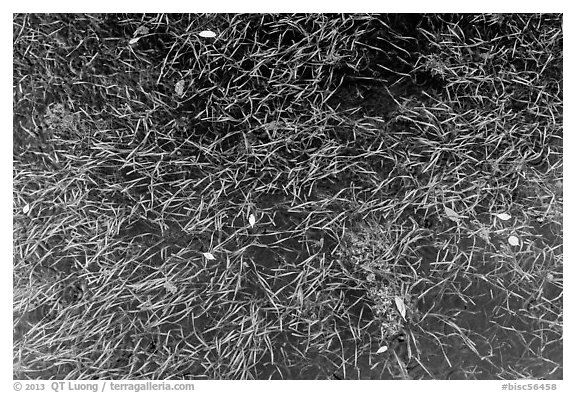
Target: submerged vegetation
{"type": "Point", "coordinates": [287, 196]}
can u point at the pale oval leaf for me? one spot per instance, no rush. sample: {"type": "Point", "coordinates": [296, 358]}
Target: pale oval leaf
{"type": "Point", "coordinates": [207, 34]}
{"type": "Point", "coordinates": [26, 208]}
{"type": "Point", "coordinates": [382, 349]}
{"type": "Point", "coordinates": [134, 40]}
{"type": "Point", "coordinates": [252, 220]}
{"type": "Point", "coordinates": [179, 88]}
{"type": "Point", "coordinates": [400, 306]}
{"type": "Point", "coordinates": [451, 214]}
{"type": "Point", "coordinates": [513, 241]}
{"type": "Point", "coordinates": [504, 216]}
{"type": "Point", "coordinates": [208, 256]}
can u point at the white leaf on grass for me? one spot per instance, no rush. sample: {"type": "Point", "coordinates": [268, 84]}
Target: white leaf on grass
{"type": "Point", "coordinates": [179, 88]}
{"type": "Point", "coordinates": [140, 31]}
{"type": "Point", "coordinates": [513, 240]}
{"type": "Point", "coordinates": [451, 214]}
{"type": "Point", "coordinates": [382, 349]}
{"type": "Point", "coordinates": [208, 256]}
{"type": "Point", "coordinates": [400, 306]}
{"type": "Point", "coordinates": [26, 209]}
{"type": "Point", "coordinates": [207, 34]}
{"type": "Point", "coordinates": [504, 216]}
{"type": "Point", "coordinates": [252, 220]}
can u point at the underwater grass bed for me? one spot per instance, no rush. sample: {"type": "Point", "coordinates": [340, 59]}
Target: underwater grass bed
{"type": "Point", "coordinates": [287, 196]}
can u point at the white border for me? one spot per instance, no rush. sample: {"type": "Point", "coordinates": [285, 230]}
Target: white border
{"type": "Point", "coordinates": [298, 6]}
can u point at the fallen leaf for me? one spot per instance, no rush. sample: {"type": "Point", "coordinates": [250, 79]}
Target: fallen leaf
{"type": "Point", "coordinates": [207, 34]}
{"type": "Point", "coordinates": [134, 40]}
{"type": "Point", "coordinates": [513, 240]}
{"type": "Point", "coordinates": [400, 306]}
{"type": "Point", "coordinates": [26, 209]}
{"type": "Point", "coordinates": [179, 88]}
{"type": "Point", "coordinates": [252, 220]}
{"type": "Point", "coordinates": [208, 256]}
{"type": "Point", "coordinates": [382, 349]}
{"type": "Point", "coordinates": [451, 214]}
{"type": "Point", "coordinates": [504, 216]}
